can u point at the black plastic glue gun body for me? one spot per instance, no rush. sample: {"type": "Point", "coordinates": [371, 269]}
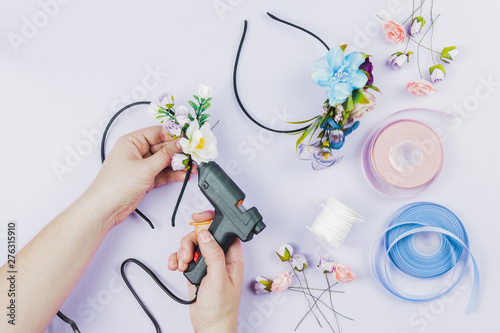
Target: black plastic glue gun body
{"type": "Point", "coordinates": [231, 218]}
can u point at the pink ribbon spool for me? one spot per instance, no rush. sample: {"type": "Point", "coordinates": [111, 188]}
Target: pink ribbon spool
{"type": "Point", "coordinates": [403, 158]}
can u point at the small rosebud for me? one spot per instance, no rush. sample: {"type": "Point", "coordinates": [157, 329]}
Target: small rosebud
{"type": "Point", "coordinates": [437, 73]}
{"type": "Point", "coordinates": [299, 262]}
{"type": "Point", "coordinates": [166, 99]}
{"type": "Point", "coordinates": [343, 274]}
{"type": "Point", "coordinates": [399, 60]}
{"type": "Point", "coordinates": [449, 54]}
{"type": "Point", "coordinates": [281, 283]}
{"type": "Point", "coordinates": [417, 25]}
{"type": "Point", "coordinates": [262, 285]}
{"type": "Point", "coordinates": [285, 252]}
{"type": "Point", "coordinates": [325, 265]}
{"type": "Point", "coordinates": [204, 91]}
{"type": "Point", "coordinates": [179, 162]}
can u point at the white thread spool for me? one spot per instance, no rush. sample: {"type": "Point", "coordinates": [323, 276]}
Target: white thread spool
{"type": "Point", "coordinates": [335, 222]}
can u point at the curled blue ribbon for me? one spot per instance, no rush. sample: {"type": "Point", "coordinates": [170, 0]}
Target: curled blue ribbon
{"type": "Point", "coordinates": [401, 246]}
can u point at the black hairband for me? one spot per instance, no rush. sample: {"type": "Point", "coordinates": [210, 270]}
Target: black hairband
{"type": "Point", "coordinates": [236, 62]}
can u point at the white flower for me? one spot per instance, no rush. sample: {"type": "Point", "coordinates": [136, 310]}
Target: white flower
{"type": "Point", "coordinates": [449, 54]}
{"type": "Point", "coordinates": [417, 25]}
{"type": "Point", "coordinates": [153, 108]}
{"type": "Point", "coordinates": [437, 73]}
{"type": "Point", "coordinates": [399, 60]}
{"type": "Point", "coordinates": [360, 109]}
{"type": "Point", "coordinates": [200, 143]}
{"type": "Point", "coordinates": [326, 265]}
{"type": "Point", "coordinates": [204, 91]}
{"type": "Point", "coordinates": [262, 285]}
{"type": "Point", "coordinates": [181, 115]}
{"type": "Point", "coordinates": [166, 99]}
{"type": "Point", "coordinates": [285, 252]}
{"type": "Point", "coordinates": [178, 162]}
{"type": "Point", "coordinates": [299, 262]}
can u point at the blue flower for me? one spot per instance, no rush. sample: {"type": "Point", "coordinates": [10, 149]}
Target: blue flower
{"type": "Point", "coordinates": [340, 73]}
{"type": "Point", "coordinates": [336, 139]}
{"type": "Point", "coordinates": [330, 124]}
{"type": "Point", "coordinates": [323, 158]}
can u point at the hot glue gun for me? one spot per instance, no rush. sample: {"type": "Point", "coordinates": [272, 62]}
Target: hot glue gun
{"type": "Point", "coordinates": [231, 218]}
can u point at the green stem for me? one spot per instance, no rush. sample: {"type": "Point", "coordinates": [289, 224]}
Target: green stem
{"type": "Point", "coordinates": [425, 47]}
{"type": "Point", "coordinates": [331, 302]}
{"type": "Point", "coordinates": [432, 31]}
{"type": "Point", "coordinates": [421, 4]}
{"type": "Point", "coordinates": [333, 291]}
{"type": "Point", "coordinates": [307, 299]}
{"type": "Point", "coordinates": [316, 302]}
{"type": "Point", "coordinates": [420, 44]}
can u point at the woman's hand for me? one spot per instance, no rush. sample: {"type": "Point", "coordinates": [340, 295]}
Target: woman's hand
{"type": "Point", "coordinates": [216, 309]}
{"type": "Point", "coordinates": [139, 162]}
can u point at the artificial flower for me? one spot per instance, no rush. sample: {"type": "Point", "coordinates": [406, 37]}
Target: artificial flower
{"type": "Point", "coordinates": [449, 54]}
{"type": "Point", "coordinates": [204, 91]}
{"type": "Point", "coordinates": [179, 162]}
{"type": "Point", "coordinates": [173, 128]}
{"type": "Point", "coordinates": [323, 158]}
{"type": "Point", "coordinates": [367, 66]}
{"type": "Point", "coordinates": [394, 31]}
{"type": "Point", "coordinates": [153, 108]}
{"type": "Point", "coordinates": [166, 99]}
{"type": "Point", "coordinates": [338, 114]}
{"type": "Point", "coordinates": [324, 110]}
{"type": "Point", "coordinates": [200, 143]}
{"type": "Point", "coordinates": [325, 265]}
{"type": "Point", "coordinates": [417, 25]}
{"type": "Point", "coordinates": [299, 262]}
{"type": "Point", "coordinates": [330, 124]}
{"type": "Point", "coordinates": [182, 115]}
{"type": "Point", "coordinates": [437, 73]}
{"type": "Point", "coordinates": [262, 285]}
{"type": "Point", "coordinates": [420, 87]}
{"type": "Point", "coordinates": [340, 74]}
{"type": "Point", "coordinates": [360, 109]}
{"type": "Point", "coordinates": [343, 274]}
{"type": "Point", "coordinates": [336, 139]}
{"type": "Point", "coordinates": [281, 283]}
{"type": "Point", "coordinates": [399, 60]}
{"type": "Point", "coordinates": [285, 252]}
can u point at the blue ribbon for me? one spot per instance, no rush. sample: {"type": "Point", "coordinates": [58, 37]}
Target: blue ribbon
{"type": "Point", "coordinates": [400, 246]}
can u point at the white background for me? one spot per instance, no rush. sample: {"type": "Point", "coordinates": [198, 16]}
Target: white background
{"type": "Point", "coordinates": [81, 65]}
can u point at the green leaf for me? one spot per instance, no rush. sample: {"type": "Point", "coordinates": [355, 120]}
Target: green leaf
{"type": "Point", "coordinates": [204, 117]}
{"type": "Point", "coordinates": [343, 47]}
{"type": "Point", "coordinates": [359, 98]}
{"type": "Point", "coordinates": [372, 87]}
{"type": "Point", "coordinates": [303, 121]}
{"type": "Point", "coordinates": [348, 107]}
{"type": "Point", "coordinates": [191, 118]}
{"type": "Point", "coordinates": [193, 105]}
{"type": "Point", "coordinates": [203, 100]}
{"type": "Point", "coordinates": [308, 131]}
{"type": "Point", "coordinates": [197, 98]}
{"type": "Point", "coordinates": [169, 106]}
{"type": "Point", "coordinates": [205, 106]}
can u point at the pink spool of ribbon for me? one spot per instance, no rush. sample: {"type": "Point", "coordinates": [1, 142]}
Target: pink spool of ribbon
{"type": "Point", "coordinates": [403, 156]}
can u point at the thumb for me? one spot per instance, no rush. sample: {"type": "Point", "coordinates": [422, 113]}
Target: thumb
{"type": "Point", "coordinates": [214, 256]}
{"type": "Point", "coordinates": [163, 157]}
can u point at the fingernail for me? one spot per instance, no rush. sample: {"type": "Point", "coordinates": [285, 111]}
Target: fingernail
{"type": "Point", "coordinates": [171, 263]}
{"type": "Point", "coordinates": [178, 144]}
{"type": "Point", "coordinates": [205, 236]}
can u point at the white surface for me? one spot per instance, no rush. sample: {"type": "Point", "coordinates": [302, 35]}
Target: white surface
{"type": "Point", "coordinates": [68, 77]}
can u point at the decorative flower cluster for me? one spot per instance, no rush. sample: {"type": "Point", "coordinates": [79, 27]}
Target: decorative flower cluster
{"type": "Point", "coordinates": [298, 263]}
{"type": "Point", "coordinates": [197, 140]}
{"type": "Point", "coordinates": [347, 79]}
{"type": "Point", "coordinates": [395, 33]}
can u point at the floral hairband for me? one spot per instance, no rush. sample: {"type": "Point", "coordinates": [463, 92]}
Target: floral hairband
{"type": "Point", "coordinates": [348, 79]}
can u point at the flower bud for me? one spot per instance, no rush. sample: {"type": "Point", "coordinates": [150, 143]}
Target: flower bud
{"type": "Point", "coordinates": [204, 91]}
{"type": "Point", "coordinates": [417, 25]}
{"type": "Point", "coordinates": [449, 54]}
{"type": "Point", "coordinates": [437, 73]}
{"type": "Point", "coordinates": [299, 262]}
{"type": "Point", "coordinates": [399, 60]}
{"type": "Point", "coordinates": [285, 252]}
{"type": "Point", "coordinates": [262, 285]}
{"type": "Point", "coordinates": [166, 99]}
{"type": "Point", "coordinates": [325, 265]}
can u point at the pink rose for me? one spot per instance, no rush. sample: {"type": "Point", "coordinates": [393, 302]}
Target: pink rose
{"type": "Point", "coordinates": [343, 274]}
{"type": "Point", "coordinates": [420, 87]}
{"type": "Point", "coordinates": [281, 283]}
{"type": "Point", "coordinates": [394, 31]}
